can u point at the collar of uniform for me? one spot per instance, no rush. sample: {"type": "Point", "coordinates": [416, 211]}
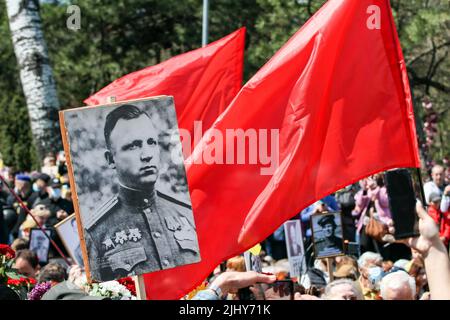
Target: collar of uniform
{"type": "Point", "coordinates": [136, 198]}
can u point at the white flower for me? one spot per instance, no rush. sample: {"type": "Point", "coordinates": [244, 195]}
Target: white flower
{"type": "Point", "coordinates": [109, 289]}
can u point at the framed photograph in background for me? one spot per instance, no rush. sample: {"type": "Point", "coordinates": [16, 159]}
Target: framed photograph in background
{"type": "Point", "coordinates": [327, 235]}
{"type": "Point", "coordinates": [295, 248]}
{"type": "Point", "coordinates": [252, 262]}
{"type": "Point", "coordinates": [40, 244]}
{"type": "Point", "coordinates": [67, 231]}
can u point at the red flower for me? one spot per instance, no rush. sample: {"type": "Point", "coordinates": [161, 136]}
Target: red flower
{"type": "Point", "coordinates": [13, 282]}
{"type": "Point", "coordinates": [7, 251]}
{"type": "Point", "coordinates": [129, 284]}
{"type": "Point", "coordinates": [32, 281]}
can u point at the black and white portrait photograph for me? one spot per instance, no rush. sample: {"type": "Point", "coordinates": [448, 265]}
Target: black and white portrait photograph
{"type": "Point", "coordinates": [68, 233]}
{"type": "Point", "coordinates": [131, 186]}
{"type": "Point", "coordinates": [252, 262]}
{"type": "Point", "coordinates": [40, 244]}
{"type": "Point", "coordinates": [327, 234]}
{"type": "Point", "coordinates": [295, 249]}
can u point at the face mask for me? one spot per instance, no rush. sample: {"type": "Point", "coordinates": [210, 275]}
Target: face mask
{"type": "Point", "coordinates": [375, 275]}
{"type": "Point", "coordinates": [36, 188]}
{"type": "Point", "coordinates": [56, 193]}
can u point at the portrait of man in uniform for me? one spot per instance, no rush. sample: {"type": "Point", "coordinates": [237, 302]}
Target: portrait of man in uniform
{"type": "Point", "coordinates": [294, 245]}
{"type": "Point", "coordinates": [40, 244]}
{"type": "Point", "coordinates": [327, 234]}
{"type": "Point", "coordinates": [138, 228]}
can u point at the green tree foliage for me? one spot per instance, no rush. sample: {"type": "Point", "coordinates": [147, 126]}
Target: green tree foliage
{"type": "Point", "coordinates": [118, 37]}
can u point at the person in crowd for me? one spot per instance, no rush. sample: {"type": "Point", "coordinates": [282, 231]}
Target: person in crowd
{"type": "Point", "coordinates": [236, 264]}
{"type": "Point", "coordinates": [305, 217]}
{"type": "Point", "coordinates": [398, 285]}
{"type": "Point", "coordinates": [19, 244]}
{"type": "Point", "coordinates": [41, 213]}
{"type": "Point", "coordinates": [24, 191]}
{"type": "Point", "coordinates": [434, 209]}
{"type": "Point", "coordinates": [434, 253]}
{"type": "Point", "coordinates": [387, 265]}
{"type": "Point", "coordinates": [346, 271]}
{"type": "Point", "coordinates": [416, 269]}
{"type": "Point", "coordinates": [436, 185]}
{"type": "Point", "coordinates": [444, 232]}
{"type": "Point", "coordinates": [366, 262]}
{"type": "Point", "coordinates": [50, 166]}
{"type": "Point", "coordinates": [445, 202]}
{"type": "Point", "coordinates": [61, 164]}
{"type": "Point", "coordinates": [59, 207]}
{"type": "Point", "coordinates": [53, 272]}
{"type": "Point", "coordinates": [41, 182]}
{"type": "Point", "coordinates": [342, 289]}
{"type": "Point", "coordinates": [27, 263]}
{"type": "Point", "coordinates": [371, 201]}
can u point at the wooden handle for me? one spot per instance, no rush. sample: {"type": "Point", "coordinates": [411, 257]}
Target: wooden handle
{"type": "Point", "coordinates": [140, 287]}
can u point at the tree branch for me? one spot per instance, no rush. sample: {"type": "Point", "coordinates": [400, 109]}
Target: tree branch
{"type": "Point", "coordinates": [414, 59]}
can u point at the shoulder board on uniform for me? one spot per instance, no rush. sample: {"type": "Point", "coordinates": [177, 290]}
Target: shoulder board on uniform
{"type": "Point", "coordinates": [100, 211]}
{"type": "Point", "coordinates": [173, 200]}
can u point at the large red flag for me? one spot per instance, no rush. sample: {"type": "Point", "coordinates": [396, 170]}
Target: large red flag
{"type": "Point", "coordinates": [203, 81]}
{"type": "Point", "coordinates": [338, 93]}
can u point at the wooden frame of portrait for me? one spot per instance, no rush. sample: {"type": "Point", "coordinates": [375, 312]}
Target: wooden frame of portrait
{"type": "Point", "coordinates": [313, 217]}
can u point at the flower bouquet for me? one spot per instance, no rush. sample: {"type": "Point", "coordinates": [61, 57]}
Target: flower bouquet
{"type": "Point", "coordinates": [113, 289]}
{"type": "Point", "coordinates": [10, 277]}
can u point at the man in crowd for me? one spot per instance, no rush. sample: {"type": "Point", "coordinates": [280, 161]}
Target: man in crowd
{"type": "Point", "coordinates": [436, 185]}
{"type": "Point", "coordinates": [59, 207]}
{"type": "Point", "coordinates": [160, 231]}
{"type": "Point", "coordinates": [27, 263]}
{"type": "Point", "coordinates": [25, 193]}
{"type": "Point", "coordinates": [342, 289]}
{"type": "Point", "coordinates": [367, 261]}
{"type": "Point", "coordinates": [398, 285]}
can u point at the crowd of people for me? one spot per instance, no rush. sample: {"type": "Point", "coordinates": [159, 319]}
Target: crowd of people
{"type": "Point", "coordinates": [381, 269]}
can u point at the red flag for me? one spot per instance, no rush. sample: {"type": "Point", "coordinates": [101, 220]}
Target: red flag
{"type": "Point", "coordinates": [338, 93]}
{"type": "Point", "coordinates": [203, 81]}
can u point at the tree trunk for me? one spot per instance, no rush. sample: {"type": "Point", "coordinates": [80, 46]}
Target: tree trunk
{"type": "Point", "coordinates": [35, 74]}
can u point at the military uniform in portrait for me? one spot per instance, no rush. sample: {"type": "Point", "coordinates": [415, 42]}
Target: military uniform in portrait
{"type": "Point", "coordinates": [133, 234]}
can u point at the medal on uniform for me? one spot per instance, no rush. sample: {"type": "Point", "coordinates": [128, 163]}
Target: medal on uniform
{"type": "Point", "coordinates": [108, 243]}
{"type": "Point", "coordinates": [134, 234]}
{"type": "Point", "coordinates": [121, 237]}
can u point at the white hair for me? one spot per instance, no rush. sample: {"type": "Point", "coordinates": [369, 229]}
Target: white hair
{"type": "Point", "coordinates": [367, 256]}
{"type": "Point", "coordinates": [401, 263]}
{"type": "Point", "coordinates": [336, 283]}
{"type": "Point", "coordinates": [396, 281]}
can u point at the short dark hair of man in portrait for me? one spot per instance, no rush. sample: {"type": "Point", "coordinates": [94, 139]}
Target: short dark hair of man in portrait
{"type": "Point", "coordinates": [140, 229]}
{"type": "Point", "coordinates": [329, 244]}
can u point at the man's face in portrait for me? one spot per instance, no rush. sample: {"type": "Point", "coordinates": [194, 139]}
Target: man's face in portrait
{"type": "Point", "coordinates": [135, 152]}
{"type": "Point", "coordinates": [328, 230]}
